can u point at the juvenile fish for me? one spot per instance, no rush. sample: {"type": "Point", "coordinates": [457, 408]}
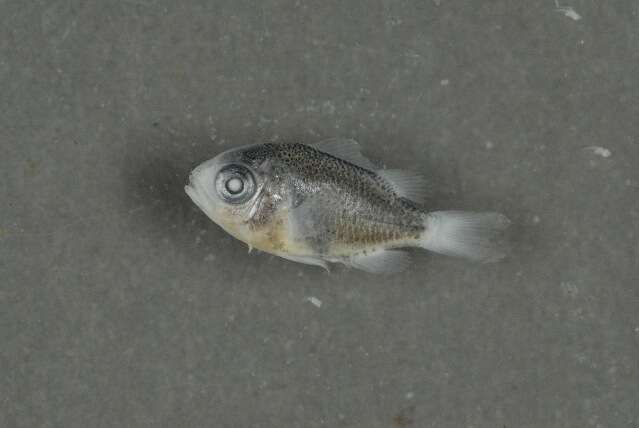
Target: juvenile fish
{"type": "Point", "coordinates": [326, 203]}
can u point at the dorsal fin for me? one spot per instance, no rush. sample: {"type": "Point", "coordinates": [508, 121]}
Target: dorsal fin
{"type": "Point", "coordinates": [407, 184]}
{"type": "Point", "coordinates": [346, 149]}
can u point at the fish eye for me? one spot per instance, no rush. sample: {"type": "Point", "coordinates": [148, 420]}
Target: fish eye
{"type": "Point", "coordinates": [235, 184]}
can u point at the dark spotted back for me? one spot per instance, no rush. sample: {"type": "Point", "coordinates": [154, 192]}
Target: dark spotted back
{"type": "Point", "coordinates": [338, 202]}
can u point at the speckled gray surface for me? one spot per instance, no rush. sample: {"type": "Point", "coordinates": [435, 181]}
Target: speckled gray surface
{"type": "Point", "coordinates": [122, 305]}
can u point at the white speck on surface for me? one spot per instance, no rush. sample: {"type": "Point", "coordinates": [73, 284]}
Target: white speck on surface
{"type": "Point", "coordinates": [581, 357]}
{"type": "Point", "coordinates": [637, 329]}
{"type": "Point", "coordinates": [489, 145]}
{"type": "Point", "coordinates": [263, 120]}
{"type": "Point", "coordinates": [315, 301]}
{"type": "Point", "coordinates": [536, 219]}
{"type": "Point", "coordinates": [410, 395]}
{"type": "Point", "coordinates": [600, 151]}
{"type": "Point", "coordinates": [444, 82]}
{"type": "Point", "coordinates": [328, 107]}
{"type": "Point", "coordinates": [209, 257]}
{"type": "Point", "coordinates": [578, 314]}
{"type": "Point", "coordinates": [569, 289]}
{"type": "Point", "coordinates": [567, 11]}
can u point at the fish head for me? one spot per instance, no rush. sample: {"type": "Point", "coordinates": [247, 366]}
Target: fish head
{"type": "Point", "coordinates": [231, 188]}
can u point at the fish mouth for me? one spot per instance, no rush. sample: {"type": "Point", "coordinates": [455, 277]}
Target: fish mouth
{"type": "Point", "coordinates": [190, 190]}
{"type": "Point", "coordinates": [193, 193]}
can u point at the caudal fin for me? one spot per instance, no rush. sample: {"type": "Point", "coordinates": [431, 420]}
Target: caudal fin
{"type": "Point", "coordinates": [475, 236]}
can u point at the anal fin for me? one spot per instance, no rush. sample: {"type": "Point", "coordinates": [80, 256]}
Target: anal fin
{"type": "Point", "coordinates": [307, 260]}
{"type": "Point", "coordinates": [380, 261]}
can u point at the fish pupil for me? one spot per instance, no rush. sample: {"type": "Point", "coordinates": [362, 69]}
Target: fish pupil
{"type": "Point", "coordinates": [234, 185]}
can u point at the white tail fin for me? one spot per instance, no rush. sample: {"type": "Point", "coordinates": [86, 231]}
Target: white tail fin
{"type": "Point", "coordinates": [471, 235]}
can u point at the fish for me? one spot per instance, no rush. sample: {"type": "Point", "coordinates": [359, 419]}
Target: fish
{"type": "Point", "coordinates": [327, 203]}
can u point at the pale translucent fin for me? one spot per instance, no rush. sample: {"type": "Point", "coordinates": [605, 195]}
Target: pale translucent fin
{"type": "Point", "coordinates": [346, 149]}
{"type": "Point", "coordinates": [307, 260]}
{"type": "Point", "coordinates": [475, 236]}
{"type": "Point", "coordinates": [407, 184]}
{"type": "Point", "coordinates": [381, 261]}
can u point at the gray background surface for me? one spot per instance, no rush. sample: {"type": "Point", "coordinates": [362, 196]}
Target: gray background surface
{"type": "Point", "coordinates": [122, 305]}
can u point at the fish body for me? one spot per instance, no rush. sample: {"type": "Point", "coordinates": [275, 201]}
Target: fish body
{"type": "Point", "coordinates": [327, 203]}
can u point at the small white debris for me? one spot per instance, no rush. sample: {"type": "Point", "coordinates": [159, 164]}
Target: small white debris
{"type": "Point", "coordinates": [444, 82]}
{"type": "Point", "coordinates": [568, 11]}
{"type": "Point", "coordinates": [328, 107]}
{"type": "Point", "coordinates": [569, 289]}
{"type": "Point", "coordinates": [410, 395]}
{"type": "Point", "coordinates": [315, 301]}
{"type": "Point", "coordinates": [536, 219]}
{"type": "Point", "coordinates": [636, 329]}
{"type": "Point", "coordinates": [213, 134]}
{"type": "Point", "coordinates": [489, 145]}
{"type": "Point", "coordinates": [209, 257]}
{"type": "Point", "coordinates": [600, 151]}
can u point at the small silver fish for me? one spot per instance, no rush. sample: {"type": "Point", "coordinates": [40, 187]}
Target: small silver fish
{"type": "Point", "coordinates": [326, 203]}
